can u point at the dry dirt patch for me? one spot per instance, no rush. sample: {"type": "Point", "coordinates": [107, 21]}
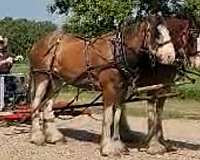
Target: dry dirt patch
{"type": "Point", "coordinates": [83, 133]}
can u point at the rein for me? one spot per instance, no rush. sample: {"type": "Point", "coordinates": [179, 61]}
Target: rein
{"type": "Point", "coordinates": [120, 62]}
{"type": "Point", "coordinates": [164, 43]}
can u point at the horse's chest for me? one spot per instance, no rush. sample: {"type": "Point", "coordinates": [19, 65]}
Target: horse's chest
{"type": "Point", "coordinates": [160, 74]}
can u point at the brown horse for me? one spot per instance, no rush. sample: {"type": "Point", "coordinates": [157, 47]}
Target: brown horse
{"type": "Point", "coordinates": [100, 64]}
{"type": "Point", "coordinates": [185, 44]}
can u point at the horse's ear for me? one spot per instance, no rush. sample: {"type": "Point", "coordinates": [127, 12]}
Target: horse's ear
{"type": "Point", "coordinates": [5, 42]}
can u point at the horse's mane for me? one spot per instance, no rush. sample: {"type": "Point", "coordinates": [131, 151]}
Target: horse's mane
{"type": "Point", "coordinates": [129, 26]}
{"type": "Point", "coordinates": [184, 16]}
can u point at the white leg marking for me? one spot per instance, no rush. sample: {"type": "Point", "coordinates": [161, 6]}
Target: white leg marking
{"type": "Point", "coordinates": [106, 142]}
{"type": "Point", "coordinates": [117, 117]}
{"type": "Point", "coordinates": [108, 119]}
{"type": "Point", "coordinates": [51, 132]}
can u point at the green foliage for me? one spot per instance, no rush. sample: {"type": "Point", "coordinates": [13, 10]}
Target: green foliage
{"type": "Point", "coordinates": [93, 17]}
{"type": "Point", "coordinates": [166, 6]}
{"type": "Point", "coordinates": [193, 8]}
{"type": "Point", "coordinates": [191, 91]}
{"type": "Point", "coordinates": [23, 33]}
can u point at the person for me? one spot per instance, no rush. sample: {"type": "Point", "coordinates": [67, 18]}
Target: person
{"type": "Point", "coordinates": [6, 82]}
{"type": "Point", "coordinates": [6, 61]}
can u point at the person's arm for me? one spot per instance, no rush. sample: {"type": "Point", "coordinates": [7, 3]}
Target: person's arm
{"type": "Point", "coordinates": [8, 60]}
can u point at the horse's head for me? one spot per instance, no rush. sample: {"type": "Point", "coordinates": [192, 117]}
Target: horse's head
{"type": "Point", "coordinates": [186, 38]}
{"type": "Point", "coordinates": [158, 40]}
{"type": "Point", "coordinates": [151, 35]}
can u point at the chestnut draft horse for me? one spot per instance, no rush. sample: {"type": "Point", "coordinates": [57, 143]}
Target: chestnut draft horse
{"type": "Point", "coordinates": [184, 37]}
{"type": "Point", "coordinates": [103, 64]}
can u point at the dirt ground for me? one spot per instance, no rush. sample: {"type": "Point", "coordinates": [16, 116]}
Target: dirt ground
{"type": "Point", "coordinates": [83, 134]}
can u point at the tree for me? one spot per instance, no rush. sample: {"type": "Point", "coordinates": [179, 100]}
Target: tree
{"type": "Point", "coordinates": [167, 7]}
{"type": "Point", "coordinates": [193, 8]}
{"type": "Point", "coordinates": [22, 33]}
{"type": "Point", "coordinates": [92, 17]}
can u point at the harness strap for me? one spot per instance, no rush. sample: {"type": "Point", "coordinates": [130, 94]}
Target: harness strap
{"type": "Point", "coordinates": [164, 43]}
{"type": "Point", "coordinates": [88, 63]}
{"type": "Point", "coordinates": [120, 59]}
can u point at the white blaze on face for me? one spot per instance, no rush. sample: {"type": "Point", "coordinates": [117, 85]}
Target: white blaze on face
{"type": "Point", "coordinates": [166, 52]}
{"type": "Point", "coordinates": [198, 44]}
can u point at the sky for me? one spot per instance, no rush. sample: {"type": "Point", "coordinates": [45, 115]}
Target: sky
{"type": "Point", "coordinates": [30, 9]}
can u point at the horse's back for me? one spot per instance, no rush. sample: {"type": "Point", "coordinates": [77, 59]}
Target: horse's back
{"type": "Point", "coordinates": [42, 50]}
{"type": "Point", "coordinates": [69, 55]}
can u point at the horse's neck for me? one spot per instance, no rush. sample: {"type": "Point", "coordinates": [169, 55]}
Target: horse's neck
{"type": "Point", "coordinates": [135, 42]}
{"type": "Point", "coordinates": [133, 49]}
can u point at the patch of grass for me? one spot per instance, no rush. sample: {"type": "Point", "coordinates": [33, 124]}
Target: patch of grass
{"type": "Point", "coordinates": [174, 108]}
{"type": "Point", "coordinates": [20, 68]}
{"type": "Point", "coordinates": [191, 91]}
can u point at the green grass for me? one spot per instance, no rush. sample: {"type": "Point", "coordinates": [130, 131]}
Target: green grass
{"type": "Point", "coordinates": [174, 108]}
{"type": "Point", "coordinates": [20, 68]}
{"type": "Point", "coordinates": [191, 91]}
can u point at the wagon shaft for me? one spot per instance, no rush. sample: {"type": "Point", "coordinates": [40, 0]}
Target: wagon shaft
{"type": "Point", "coordinates": [134, 99]}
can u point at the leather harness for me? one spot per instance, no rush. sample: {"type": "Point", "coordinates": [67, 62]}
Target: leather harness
{"type": "Point", "coordinates": [119, 61]}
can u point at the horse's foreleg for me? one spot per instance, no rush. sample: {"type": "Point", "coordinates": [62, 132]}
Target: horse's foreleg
{"type": "Point", "coordinates": [37, 135]}
{"type": "Point", "coordinates": [112, 88]}
{"type": "Point", "coordinates": [53, 135]}
{"type": "Point", "coordinates": [106, 141]}
{"type": "Point", "coordinates": [155, 130]}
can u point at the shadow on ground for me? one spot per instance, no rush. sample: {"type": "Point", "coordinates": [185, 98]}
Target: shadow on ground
{"type": "Point", "coordinates": [133, 141]}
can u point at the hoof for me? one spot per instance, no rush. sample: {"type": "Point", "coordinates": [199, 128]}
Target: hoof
{"type": "Point", "coordinates": [54, 137]}
{"type": "Point", "coordinates": [114, 148]}
{"type": "Point", "coordinates": [37, 138]}
{"type": "Point", "coordinates": [120, 147]}
{"type": "Point", "coordinates": [169, 146]}
{"type": "Point", "coordinates": [156, 148]}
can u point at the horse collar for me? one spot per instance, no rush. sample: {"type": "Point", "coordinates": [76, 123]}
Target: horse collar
{"type": "Point", "coordinates": [120, 58]}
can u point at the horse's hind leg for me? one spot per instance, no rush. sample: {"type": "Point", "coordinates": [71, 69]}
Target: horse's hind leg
{"type": "Point", "coordinates": [53, 135]}
{"type": "Point", "coordinates": [40, 86]}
